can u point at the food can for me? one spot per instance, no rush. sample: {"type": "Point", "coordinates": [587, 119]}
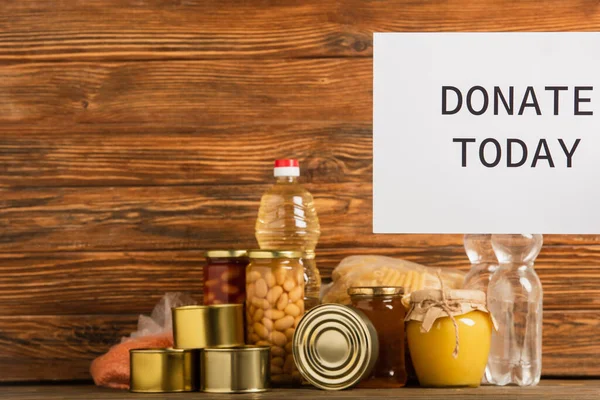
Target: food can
{"type": "Point", "coordinates": [197, 327]}
{"type": "Point", "coordinates": [243, 369]}
{"type": "Point", "coordinates": [335, 346]}
{"type": "Point", "coordinates": [163, 370]}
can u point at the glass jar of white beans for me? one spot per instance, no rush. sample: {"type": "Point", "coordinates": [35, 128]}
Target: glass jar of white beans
{"type": "Point", "coordinates": [274, 306]}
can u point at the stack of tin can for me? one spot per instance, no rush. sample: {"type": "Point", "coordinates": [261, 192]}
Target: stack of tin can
{"type": "Point", "coordinates": [209, 355]}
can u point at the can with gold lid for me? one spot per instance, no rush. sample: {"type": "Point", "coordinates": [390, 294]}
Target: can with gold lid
{"type": "Point", "coordinates": [197, 327]}
{"type": "Point", "coordinates": [243, 369]}
{"type": "Point", "coordinates": [335, 346]}
{"type": "Point", "coordinates": [225, 277]}
{"type": "Point", "coordinates": [163, 370]}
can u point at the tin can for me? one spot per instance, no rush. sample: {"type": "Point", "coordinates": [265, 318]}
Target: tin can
{"type": "Point", "coordinates": [197, 327]}
{"type": "Point", "coordinates": [243, 369]}
{"type": "Point", "coordinates": [163, 370]}
{"type": "Point", "coordinates": [335, 346]}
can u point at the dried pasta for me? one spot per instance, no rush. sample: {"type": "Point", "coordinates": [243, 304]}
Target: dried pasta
{"type": "Point", "coordinates": [367, 270]}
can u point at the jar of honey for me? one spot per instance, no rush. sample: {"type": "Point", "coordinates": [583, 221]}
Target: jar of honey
{"type": "Point", "coordinates": [449, 335]}
{"type": "Point", "coordinates": [383, 306]}
{"type": "Point", "coordinates": [274, 306]}
{"type": "Point", "coordinates": [225, 277]}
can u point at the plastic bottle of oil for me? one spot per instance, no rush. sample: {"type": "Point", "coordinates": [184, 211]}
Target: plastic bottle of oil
{"type": "Point", "coordinates": [287, 220]}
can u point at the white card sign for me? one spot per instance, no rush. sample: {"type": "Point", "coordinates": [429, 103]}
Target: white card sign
{"type": "Point", "coordinates": [486, 133]}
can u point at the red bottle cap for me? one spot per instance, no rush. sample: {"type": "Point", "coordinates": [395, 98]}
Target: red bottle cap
{"type": "Point", "coordinates": [288, 162]}
{"type": "Point", "coordinates": [287, 167]}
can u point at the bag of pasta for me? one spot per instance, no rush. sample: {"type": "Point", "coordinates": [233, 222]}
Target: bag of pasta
{"type": "Point", "coordinates": [365, 270]}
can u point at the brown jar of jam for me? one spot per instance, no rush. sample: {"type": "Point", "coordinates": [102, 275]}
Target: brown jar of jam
{"type": "Point", "coordinates": [383, 306]}
{"type": "Point", "coordinates": [225, 277]}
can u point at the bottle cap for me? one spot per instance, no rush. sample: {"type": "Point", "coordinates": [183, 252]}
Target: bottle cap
{"type": "Point", "coordinates": [286, 167]}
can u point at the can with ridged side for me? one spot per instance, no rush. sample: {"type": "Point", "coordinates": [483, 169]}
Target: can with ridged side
{"type": "Point", "coordinates": [197, 327]}
{"type": "Point", "coordinates": [335, 346]}
{"type": "Point", "coordinates": [243, 369]}
{"type": "Point", "coordinates": [163, 370]}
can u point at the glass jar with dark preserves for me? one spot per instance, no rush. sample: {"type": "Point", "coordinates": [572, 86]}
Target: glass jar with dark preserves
{"type": "Point", "coordinates": [383, 306]}
{"type": "Point", "coordinates": [225, 277]}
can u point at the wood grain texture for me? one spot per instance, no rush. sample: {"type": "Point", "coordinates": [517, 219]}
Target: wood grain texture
{"type": "Point", "coordinates": [42, 155]}
{"type": "Point", "coordinates": [156, 29]}
{"type": "Point", "coordinates": [548, 389]}
{"type": "Point", "coordinates": [136, 134]}
{"type": "Point", "coordinates": [71, 283]}
{"type": "Point", "coordinates": [62, 347]}
{"type": "Point", "coordinates": [95, 283]}
{"type": "Point", "coordinates": [197, 92]}
{"type": "Point", "coordinates": [35, 348]}
{"type": "Point", "coordinates": [189, 217]}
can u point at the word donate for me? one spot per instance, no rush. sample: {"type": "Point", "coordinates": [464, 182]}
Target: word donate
{"type": "Point", "coordinates": [486, 133]}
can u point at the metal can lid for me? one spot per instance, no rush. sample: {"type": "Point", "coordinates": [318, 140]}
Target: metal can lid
{"type": "Point", "coordinates": [335, 346]}
{"type": "Point", "coordinates": [163, 370]}
{"type": "Point", "coordinates": [236, 349]}
{"type": "Point", "coordinates": [230, 253]}
{"type": "Point", "coordinates": [274, 254]}
{"type": "Point", "coordinates": [376, 291]}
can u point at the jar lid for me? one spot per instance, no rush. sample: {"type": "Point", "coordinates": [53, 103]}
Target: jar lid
{"type": "Point", "coordinates": [163, 370]}
{"type": "Point", "coordinates": [226, 253]}
{"type": "Point", "coordinates": [274, 254]}
{"type": "Point", "coordinates": [376, 291]}
{"type": "Point", "coordinates": [335, 346]}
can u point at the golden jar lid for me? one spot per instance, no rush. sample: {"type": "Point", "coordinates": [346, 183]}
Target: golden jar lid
{"type": "Point", "coordinates": [335, 346]}
{"type": "Point", "coordinates": [226, 253]}
{"type": "Point", "coordinates": [197, 327]}
{"type": "Point", "coordinates": [376, 291]}
{"type": "Point", "coordinates": [243, 369]}
{"type": "Point", "coordinates": [163, 370]}
{"type": "Point", "coordinates": [274, 254]}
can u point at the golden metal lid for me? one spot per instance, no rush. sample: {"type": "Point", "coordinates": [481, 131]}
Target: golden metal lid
{"type": "Point", "coordinates": [242, 369]}
{"type": "Point", "coordinates": [197, 327]}
{"type": "Point", "coordinates": [226, 253]}
{"type": "Point", "coordinates": [335, 346]}
{"type": "Point", "coordinates": [163, 370]}
{"type": "Point", "coordinates": [376, 291]}
{"type": "Point", "coordinates": [274, 254]}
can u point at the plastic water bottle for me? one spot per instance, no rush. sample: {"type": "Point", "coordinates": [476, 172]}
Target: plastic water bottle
{"type": "Point", "coordinates": [483, 261]}
{"type": "Point", "coordinates": [287, 220]}
{"type": "Point", "coordinates": [515, 300]}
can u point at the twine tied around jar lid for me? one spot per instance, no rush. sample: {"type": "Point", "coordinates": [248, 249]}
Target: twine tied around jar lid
{"type": "Point", "coordinates": [428, 305]}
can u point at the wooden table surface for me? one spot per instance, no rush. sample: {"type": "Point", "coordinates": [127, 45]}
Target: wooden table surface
{"type": "Point", "coordinates": [548, 389]}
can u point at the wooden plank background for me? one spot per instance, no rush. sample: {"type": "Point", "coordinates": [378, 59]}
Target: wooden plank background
{"type": "Point", "coordinates": [136, 134]}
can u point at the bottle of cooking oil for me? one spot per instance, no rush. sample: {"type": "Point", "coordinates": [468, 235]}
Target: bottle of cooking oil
{"type": "Point", "coordinates": [287, 220]}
